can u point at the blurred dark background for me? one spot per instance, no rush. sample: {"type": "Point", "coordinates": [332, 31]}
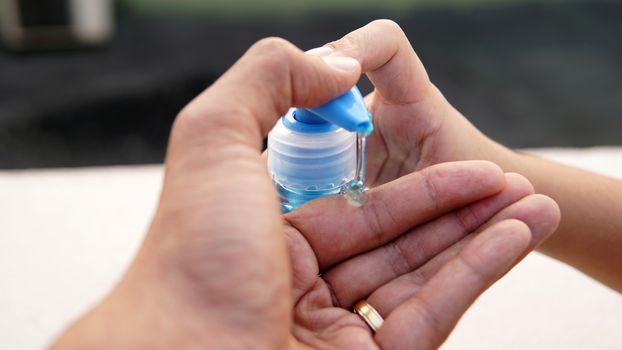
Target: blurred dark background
{"type": "Point", "coordinates": [528, 74]}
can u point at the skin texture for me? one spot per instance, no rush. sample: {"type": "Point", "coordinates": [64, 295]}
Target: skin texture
{"type": "Point", "coordinates": [416, 127]}
{"type": "Point", "coordinates": [221, 268]}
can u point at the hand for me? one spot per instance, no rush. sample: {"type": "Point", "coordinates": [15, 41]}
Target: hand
{"type": "Point", "coordinates": [220, 268]}
{"type": "Point", "coordinates": [415, 126]}
{"type": "Point", "coordinates": [417, 251]}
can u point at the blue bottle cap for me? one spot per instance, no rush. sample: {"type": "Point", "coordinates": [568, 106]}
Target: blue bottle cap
{"type": "Point", "coordinates": [347, 111]}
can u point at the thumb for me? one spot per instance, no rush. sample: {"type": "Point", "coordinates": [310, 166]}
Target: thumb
{"type": "Point", "coordinates": [272, 76]}
{"type": "Point", "coordinates": [389, 61]}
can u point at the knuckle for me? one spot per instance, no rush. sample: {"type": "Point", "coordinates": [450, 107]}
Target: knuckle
{"type": "Point", "coordinates": [379, 217]}
{"type": "Point", "coordinates": [349, 45]}
{"type": "Point", "coordinates": [473, 266]}
{"type": "Point", "coordinates": [430, 188]}
{"type": "Point", "coordinates": [345, 44]}
{"type": "Point", "coordinates": [467, 218]}
{"type": "Point", "coordinates": [373, 220]}
{"type": "Point", "coordinates": [399, 260]}
{"type": "Point", "coordinates": [418, 277]}
{"type": "Point", "coordinates": [188, 125]}
{"type": "Point", "coordinates": [422, 308]}
{"type": "Point", "coordinates": [186, 120]}
{"type": "Point", "coordinates": [194, 123]}
{"type": "Point", "coordinates": [192, 118]}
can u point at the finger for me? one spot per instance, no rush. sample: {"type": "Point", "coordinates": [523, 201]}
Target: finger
{"type": "Point", "coordinates": [388, 59]}
{"type": "Point", "coordinates": [425, 320]}
{"type": "Point", "coordinates": [538, 212]}
{"type": "Point", "coordinates": [358, 277]}
{"type": "Point", "coordinates": [336, 230]}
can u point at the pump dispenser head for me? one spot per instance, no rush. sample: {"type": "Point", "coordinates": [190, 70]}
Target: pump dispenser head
{"type": "Point", "coordinates": [347, 111]}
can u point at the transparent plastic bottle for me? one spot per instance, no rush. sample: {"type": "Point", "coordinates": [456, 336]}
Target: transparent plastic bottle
{"type": "Point", "coordinates": [313, 152]}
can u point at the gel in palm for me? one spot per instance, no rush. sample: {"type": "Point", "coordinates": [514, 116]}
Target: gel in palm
{"type": "Point", "coordinates": [319, 151]}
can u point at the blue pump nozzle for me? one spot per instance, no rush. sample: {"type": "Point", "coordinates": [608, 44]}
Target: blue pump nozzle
{"type": "Point", "coordinates": [347, 111]}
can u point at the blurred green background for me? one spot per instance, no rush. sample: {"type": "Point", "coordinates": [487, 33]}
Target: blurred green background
{"type": "Point", "coordinates": [527, 73]}
{"type": "Point", "coordinates": [270, 7]}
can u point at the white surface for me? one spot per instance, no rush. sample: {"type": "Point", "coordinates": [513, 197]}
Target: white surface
{"type": "Point", "coordinates": [67, 235]}
{"type": "Point", "coordinates": [65, 238]}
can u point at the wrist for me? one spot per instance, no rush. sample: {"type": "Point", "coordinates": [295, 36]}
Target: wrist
{"type": "Point", "coordinates": [99, 329]}
{"type": "Point", "coordinates": [152, 309]}
{"type": "Point", "coordinates": [131, 316]}
{"type": "Point", "coordinates": [468, 143]}
{"type": "Point", "coordinates": [508, 159]}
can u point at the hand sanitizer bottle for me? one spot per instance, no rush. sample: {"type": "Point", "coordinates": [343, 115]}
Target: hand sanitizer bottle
{"type": "Point", "coordinates": [314, 152]}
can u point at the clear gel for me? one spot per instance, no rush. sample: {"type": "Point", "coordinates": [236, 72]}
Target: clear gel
{"type": "Point", "coordinates": [292, 199]}
{"type": "Point", "coordinates": [354, 191]}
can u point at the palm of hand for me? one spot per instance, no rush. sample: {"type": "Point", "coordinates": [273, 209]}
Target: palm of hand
{"type": "Point", "coordinates": [317, 321]}
{"type": "Point", "coordinates": [415, 126]}
{"type": "Point", "coordinates": [402, 262]}
{"type": "Point", "coordinates": [410, 136]}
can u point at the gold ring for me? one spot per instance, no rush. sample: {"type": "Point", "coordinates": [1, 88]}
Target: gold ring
{"type": "Point", "coordinates": [369, 314]}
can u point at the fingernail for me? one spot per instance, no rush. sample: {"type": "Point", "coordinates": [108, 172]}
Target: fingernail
{"type": "Point", "coordinates": [320, 51]}
{"type": "Point", "coordinates": [346, 64]}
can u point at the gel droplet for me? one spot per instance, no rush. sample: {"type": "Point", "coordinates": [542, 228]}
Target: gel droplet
{"type": "Point", "coordinates": [355, 193]}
